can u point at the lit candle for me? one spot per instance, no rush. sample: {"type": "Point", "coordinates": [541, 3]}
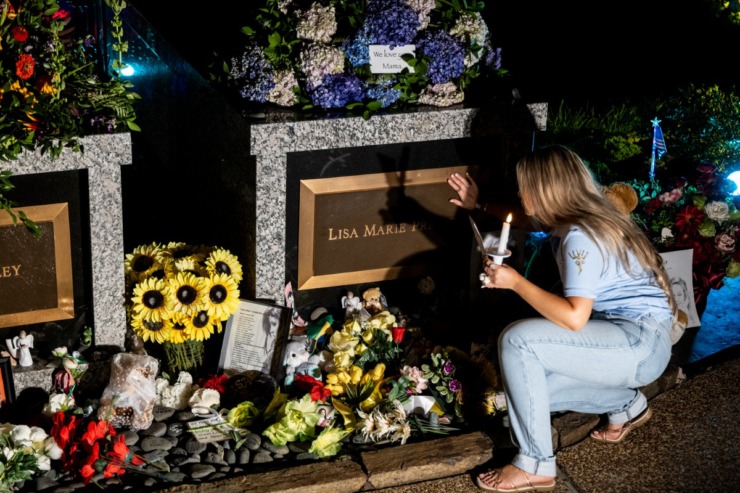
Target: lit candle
{"type": "Point", "coordinates": [504, 236]}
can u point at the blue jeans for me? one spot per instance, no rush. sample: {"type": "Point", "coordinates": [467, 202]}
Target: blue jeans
{"type": "Point", "coordinates": [596, 370]}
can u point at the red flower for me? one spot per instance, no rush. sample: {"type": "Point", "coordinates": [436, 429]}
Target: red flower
{"type": "Point", "coordinates": [20, 33]}
{"type": "Point", "coordinates": [308, 384]}
{"type": "Point", "coordinates": [215, 382]}
{"type": "Point", "coordinates": [398, 333]}
{"type": "Point", "coordinates": [96, 431]}
{"type": "Point", "coordinates": [60, 14]}
{"type": "Point", "coordinates": [689, 217]}
{"type": "Point", "coordinates": [62, 431]}
{"type": "Point", "coordinates": [87, 471]}
{"type": "Point", "coordinates": [653, 205]}
{"type": "Point", "coordinates": [24, 66]}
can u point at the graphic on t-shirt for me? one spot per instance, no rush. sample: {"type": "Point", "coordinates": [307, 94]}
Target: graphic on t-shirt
{"type": "Point", "coordinates": [579, 257]}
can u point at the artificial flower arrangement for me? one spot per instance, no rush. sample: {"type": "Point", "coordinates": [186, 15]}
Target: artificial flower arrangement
{"type": "Point", "coordinates": [699, 215]}
{"type": "Point", "coordinates": [25, 451]}
{"type": "Point", "coordinates": [179, 295]}
{"type": "Point", "coordinates": [52, 88]}
{"type": "Point", "coordinates": [366, 54]}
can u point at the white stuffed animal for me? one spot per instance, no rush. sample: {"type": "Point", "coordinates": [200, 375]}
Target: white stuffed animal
{"type": "Point", "coordinates": [296, 362]}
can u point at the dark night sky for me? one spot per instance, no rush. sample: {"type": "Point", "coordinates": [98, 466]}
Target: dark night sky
{"type": "Point", "coordinates": [573, 49]}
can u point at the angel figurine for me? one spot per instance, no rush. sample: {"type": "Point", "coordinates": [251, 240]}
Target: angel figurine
{"type": "Point", "coordinates": [20, 348]}
{"type": "Point", "coordinates": [351, 304]}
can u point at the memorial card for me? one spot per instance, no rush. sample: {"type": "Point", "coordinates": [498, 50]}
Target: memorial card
{"type": "Point", "coordinates": [678, 265]}
{"type": "Point", "coordinates": [254, 338]}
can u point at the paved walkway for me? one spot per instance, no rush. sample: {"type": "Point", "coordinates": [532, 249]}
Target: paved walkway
{"type": "Point", "coordinates": [691, 444]}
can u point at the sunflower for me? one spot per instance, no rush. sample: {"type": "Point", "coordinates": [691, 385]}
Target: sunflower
{"type": "Point", "coordinates": [179, 250]}
{"type": "Point", "coordinates": [221, 261]}
{"type": "Point", "coordinates": [200, 326]}
{"type": "Point", "coordinates": [152, 300]}
{"type": "Point", "coordinates": [189, 264]}
{"type": "Point", "coordinates": [159, 332]}
{"type": "Point", "coordinates": [144, 260]}
{"type": "Point", "coordinates": [188, 292]}
{"type": "Point", "coordinates": [223, 296]}
{"type": "Point", "coordinates": [177, 332]}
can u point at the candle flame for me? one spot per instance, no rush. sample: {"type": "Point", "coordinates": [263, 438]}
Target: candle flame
{"type": "Point", "coordinates": [508, 218]}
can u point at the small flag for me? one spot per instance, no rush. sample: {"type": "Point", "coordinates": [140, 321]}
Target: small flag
{"type": "Point", "coordinates": [659, 147]}
{"type": "Point", "coordinates": [658, 142]}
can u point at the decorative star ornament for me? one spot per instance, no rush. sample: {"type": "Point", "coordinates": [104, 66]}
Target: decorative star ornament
{"type": "Point", "coordinates": [655, 122]}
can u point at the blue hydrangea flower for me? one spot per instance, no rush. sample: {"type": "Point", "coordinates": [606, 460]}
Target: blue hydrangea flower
{"type": "Point", "coordinates": [390, 22]}
{"type": "Point", "coordinates": [384, 93]}
{"type": "Point", "coordinates": [446, 55]}
{"type": "Point", "coordinates": [493, 58]}
{"type": "Point", "coordinates": [357, 49]}
{"type": "Point", "coordinates": [252, 73]}
{"type": "Point", "coordinates": [336, 91]}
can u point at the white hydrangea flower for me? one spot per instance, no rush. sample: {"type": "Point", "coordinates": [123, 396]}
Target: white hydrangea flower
{"type": "Point", "coordinates": [718, 211]}
{"type": "Point", "coordinates": [282, 94]}
{"type": "Point", "coordinates": [472, 30]}
{"type": "Point", "coordinates": [319, 60]}
{"type": "Point", "coordinates": [317, 24]}
{"type": "Point", "coordinates": [423, 8]}
{"type": "Point", "coordinates": [445, 94]}
{"type": "Point", "coordinates": [283, 5]}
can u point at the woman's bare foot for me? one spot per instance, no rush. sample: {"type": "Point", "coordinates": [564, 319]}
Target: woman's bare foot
{"type": "Point", "coordinates": [512, 479]}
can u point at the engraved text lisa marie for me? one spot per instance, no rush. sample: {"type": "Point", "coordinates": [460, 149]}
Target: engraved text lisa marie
{"type": "Point", "coordinates": [370, 230]}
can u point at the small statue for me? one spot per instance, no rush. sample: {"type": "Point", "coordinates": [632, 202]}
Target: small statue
{"type": "Point", "coordinates": [351, 304]}
{"type": "Point", "coordinates": [20, 348]}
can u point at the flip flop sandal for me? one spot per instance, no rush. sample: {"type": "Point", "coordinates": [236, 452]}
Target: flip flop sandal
{"type": "Point", "coordinates": [640, 420]}
{"type": "Point", "coordinates": [544, 487]}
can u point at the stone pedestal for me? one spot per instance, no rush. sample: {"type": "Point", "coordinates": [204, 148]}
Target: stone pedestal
{"type": "Point", "coordinates": [273, 140]}
{"type": "Point", "coordinates": [102, 157]}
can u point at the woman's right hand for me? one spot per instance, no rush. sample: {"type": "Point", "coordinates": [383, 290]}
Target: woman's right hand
{"type": "Point", "coordinates": [466, 189]}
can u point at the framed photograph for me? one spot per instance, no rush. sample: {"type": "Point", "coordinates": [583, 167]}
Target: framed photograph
{"type": "Point", "coordinates": [254, 338]}
{"type": "Point", "coordinates": [373, 227]}
{"type": "Point", "coordinates": [678, 265]}
{"type": "Point", "coordinates": [36, 271]}
{"type": "Point", "coordinates": [7, 388]}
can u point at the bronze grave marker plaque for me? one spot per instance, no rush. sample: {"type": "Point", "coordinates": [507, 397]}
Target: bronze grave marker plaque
{"type": "Point", "coordinates": [36, 271]}
{"type": "Point", "coordinates": [372, 227]}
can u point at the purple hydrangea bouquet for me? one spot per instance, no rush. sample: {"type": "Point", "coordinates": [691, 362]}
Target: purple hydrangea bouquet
{"type": "Point", "coordinates": [362, 54]}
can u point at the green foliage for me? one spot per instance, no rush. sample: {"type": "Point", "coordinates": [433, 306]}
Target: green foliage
{"type": "Point", "coordinates": [702, 124]}
{"type": "Point", "coordinates": [52, 90]}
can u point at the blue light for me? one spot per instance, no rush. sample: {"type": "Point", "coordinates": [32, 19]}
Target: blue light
{"type": "Point", "coordinates": [735, 178]}
{"type": "Point", "coordinates": [127, 71]}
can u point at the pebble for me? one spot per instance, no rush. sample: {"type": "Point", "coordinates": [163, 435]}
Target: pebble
{"type": "Point", "coordinates": [214, 458]}
{"type": "Point", "coordinates": [193, 446]}
{"type": "Point", "coordinates": [261, 457]}
{"type": "Point", "coordinates": [230, 456]}
{"type": "Point", "coordinates": [252, 441]}
{"type": "Point", "coordinates": [155, 443]}
{"type": "Point", "coordinates": [184, 416]}
{"type": "Point", "coordinates": [130, 437]}
{"type": "Point", "coordinates": [200, 471]}
{"type": "Point", "coordinates": [175, 429]}
{"type": "Point", "coordinates": [276, 449]}
{"type": "Point", "coordinates": [156, 429]}
{"type": "Point", "coordinates": [162, 413]}
{"type": "Point", "coordinates": [175, 477]}
{"type": "Point", "coordinates": [243, 456]}
{"type": "Point", "coordinates": [155, 455]}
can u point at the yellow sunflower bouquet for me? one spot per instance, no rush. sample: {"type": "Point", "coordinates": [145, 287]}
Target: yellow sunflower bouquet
{"type": "Point", "coordinates": [179, 295]}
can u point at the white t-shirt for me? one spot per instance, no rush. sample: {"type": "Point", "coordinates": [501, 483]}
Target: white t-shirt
{"type": "Point", "coordinates": [616, 290]}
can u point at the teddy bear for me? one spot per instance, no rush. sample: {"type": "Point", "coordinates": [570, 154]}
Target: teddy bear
{"type": "Point", "coordinates": [624, 198]}
{"type": "Point", "coordinates": [298, 361]}
{"type": "Point", "coordinates": [372, 301]}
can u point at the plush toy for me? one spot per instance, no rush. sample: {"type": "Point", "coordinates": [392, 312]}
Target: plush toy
{"type": "Point", "coordinates": [296, 362]}
{"type": "Point", "coordinates": [624, 198]}
{"type": "Point", "coordinates": [372, 301]}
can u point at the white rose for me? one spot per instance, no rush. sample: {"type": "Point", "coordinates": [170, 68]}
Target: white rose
{"type": "Point", "coordinates": [21, 436]}
{"type": "Point", "coordinates": [43, 463]}
{"type": "Point", "coordinates": [52, 450]}
{"type": "Point", "coordinates": [718, 211]}
{"type": "Point", "coordinates": [60, 351]}
{"type": "Point", "coordinates": [37, 435]}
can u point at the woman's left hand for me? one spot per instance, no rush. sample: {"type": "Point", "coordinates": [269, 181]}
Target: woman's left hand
{"type": "Point", "coordinates": [466, 189]}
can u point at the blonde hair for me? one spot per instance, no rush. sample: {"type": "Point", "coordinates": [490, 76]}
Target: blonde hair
{"type": "Point", "coordinates": [558, 189]}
